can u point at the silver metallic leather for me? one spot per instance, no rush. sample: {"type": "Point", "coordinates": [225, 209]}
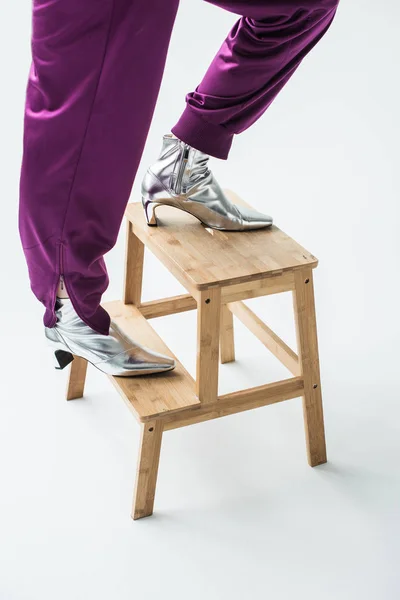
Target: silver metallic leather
{"type": "Point", "coordinates": [114, 354]}
{"type": "Point", "coordinates": [181, 178]}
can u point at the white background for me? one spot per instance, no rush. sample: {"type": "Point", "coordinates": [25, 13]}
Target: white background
{"type": "Point", "coordinates": [239, 513]}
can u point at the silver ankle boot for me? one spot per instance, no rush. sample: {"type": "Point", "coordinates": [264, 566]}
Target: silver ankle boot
{"type": "Point", "coordinates": [181, 178]}
{"type": "Point", "coordinates": [113, 354]}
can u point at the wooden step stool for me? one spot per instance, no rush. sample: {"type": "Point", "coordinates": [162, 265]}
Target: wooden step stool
{"type": "Point", "coordinates": [219, 270]}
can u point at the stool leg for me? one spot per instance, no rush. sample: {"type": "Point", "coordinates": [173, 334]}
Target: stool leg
{"type": "Point", "coordinates": [304, 309]}
{"type": "Point", "coordinates": [208, 334]}
{"type": "Point", "coordinates": [133, 267]}
{"type": "Point", "coordinates": [77, 378]}
{"type": "Point", "coordinates": [146, 477]}
{"type": "Point", "coordinates": [227, 338]}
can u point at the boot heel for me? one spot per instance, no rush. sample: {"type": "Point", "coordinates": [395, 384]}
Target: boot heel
{"type": "Point", "coordinates": [62, 359]}
{"type": "Point", "coordinates": [149, 208]}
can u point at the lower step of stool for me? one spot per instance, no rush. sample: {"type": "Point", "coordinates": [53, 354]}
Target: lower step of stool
{"type": "Point", "coordinates": [153, 396]}
{"type": "Point", "coordinates": [171, 396]}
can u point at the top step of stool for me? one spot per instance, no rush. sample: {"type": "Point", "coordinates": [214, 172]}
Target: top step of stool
{"type": "Point", "coordinates": [207, 258]}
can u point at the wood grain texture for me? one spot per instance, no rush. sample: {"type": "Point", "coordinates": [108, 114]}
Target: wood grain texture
{"type": "Point", "coordinates": [230, 404]}
{"type": "Point", "coordinates": [208, 333]}
{"type": "Point", "coordinates": [134, 258]}
{"type": "Point", "coordinates": [168, 306]}
{"type": "Point", "coordinates": [227, 337]}
{"type": "Point", "coordinates": [276, 284]}
{"type": "Point", "coordinates": [150, 396]}
{"type": "Point", "coordinates": [200, 258]}
{"type": "Point", "coordinates": [219, 270]}
{"type": "Point", "coordinates": [147, 470]}
{"type": "Point", "coordinates": [76, 378]}
{"type": "Point", "coordinates": [266, 336]}
{"type": "Point", "coordinates": [306, 326]}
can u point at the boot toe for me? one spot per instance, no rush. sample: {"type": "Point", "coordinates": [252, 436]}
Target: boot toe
{"type": "Point", "coordinates": [253, 219]}
{"type": "Point", "coordinates": [142, 361]}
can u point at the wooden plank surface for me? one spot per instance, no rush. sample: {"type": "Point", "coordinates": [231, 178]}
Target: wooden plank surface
{"type": "Point", "coordinates": [150, 396]}
{"type": "Point", "coordinates": [202, 258]}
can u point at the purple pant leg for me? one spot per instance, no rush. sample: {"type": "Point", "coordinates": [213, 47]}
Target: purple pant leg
{"type": "Point", "coordinates": [97, 66]}
{"type": "Point", "coordinates": [95, 77]}
{"type": "Point", "coordinates": [255, 61]}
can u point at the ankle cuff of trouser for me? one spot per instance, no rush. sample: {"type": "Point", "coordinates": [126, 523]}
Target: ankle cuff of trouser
{"type": "Point", "coordinates": [211, 139]}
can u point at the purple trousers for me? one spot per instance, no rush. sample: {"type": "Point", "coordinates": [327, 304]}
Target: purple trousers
{"type": "Point", "coordinates": [93, 85]}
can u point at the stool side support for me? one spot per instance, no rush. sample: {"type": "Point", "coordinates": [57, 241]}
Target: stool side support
{"type": "Point", "coordinates": [266, 336]}
{"type": "Point", "coordinates": [227, 338]}
{"type": "Point", "coordinates": [234, 402]}
{"type": "Point", "coordinates": [159, 252]}
{"type": "Point", "coordinates": [134, 259]}
{"type": "Point", "coordinates": [76, 378]}
{"type": "Point", "coordinates": [147, 470]}
{"type": "Point", "coordinates": [208, 328]}
{"type": "Point", "coordinates": [265, 286]}
{"type": "Point", "coordinates": [168, 306]}
{"type": "Point", "coordinates": [306, 329]}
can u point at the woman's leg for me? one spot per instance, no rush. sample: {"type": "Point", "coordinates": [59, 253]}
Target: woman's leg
{"type": "Point", "coordinates": [255, 61]}
{"type": "Point", "coordinates": [94, 81]}
{"type": "Point", "coordinates": [96, 71]}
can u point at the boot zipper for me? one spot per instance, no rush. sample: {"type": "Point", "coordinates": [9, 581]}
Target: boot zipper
{"type": "Point", "coordinates": [182, 168]}
{"type": "Point", "coordinates": [62, 275]}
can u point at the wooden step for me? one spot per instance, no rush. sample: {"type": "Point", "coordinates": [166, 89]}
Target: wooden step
{"type": "Point", "coordinates": [151, 396]}
{"type": "Point", "coordinates": [171, 396]}
{"type": "Point", "coordinates": [201, 258]}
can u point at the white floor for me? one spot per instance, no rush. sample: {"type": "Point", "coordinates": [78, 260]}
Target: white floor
{"type": "Point", "coordinates": [239, 514]}
{"type": "Point", "coordinates": [238, 510]}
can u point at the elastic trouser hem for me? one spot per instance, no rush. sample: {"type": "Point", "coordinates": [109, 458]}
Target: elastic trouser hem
{"type": "Point", "coordinates": [211, 139]}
